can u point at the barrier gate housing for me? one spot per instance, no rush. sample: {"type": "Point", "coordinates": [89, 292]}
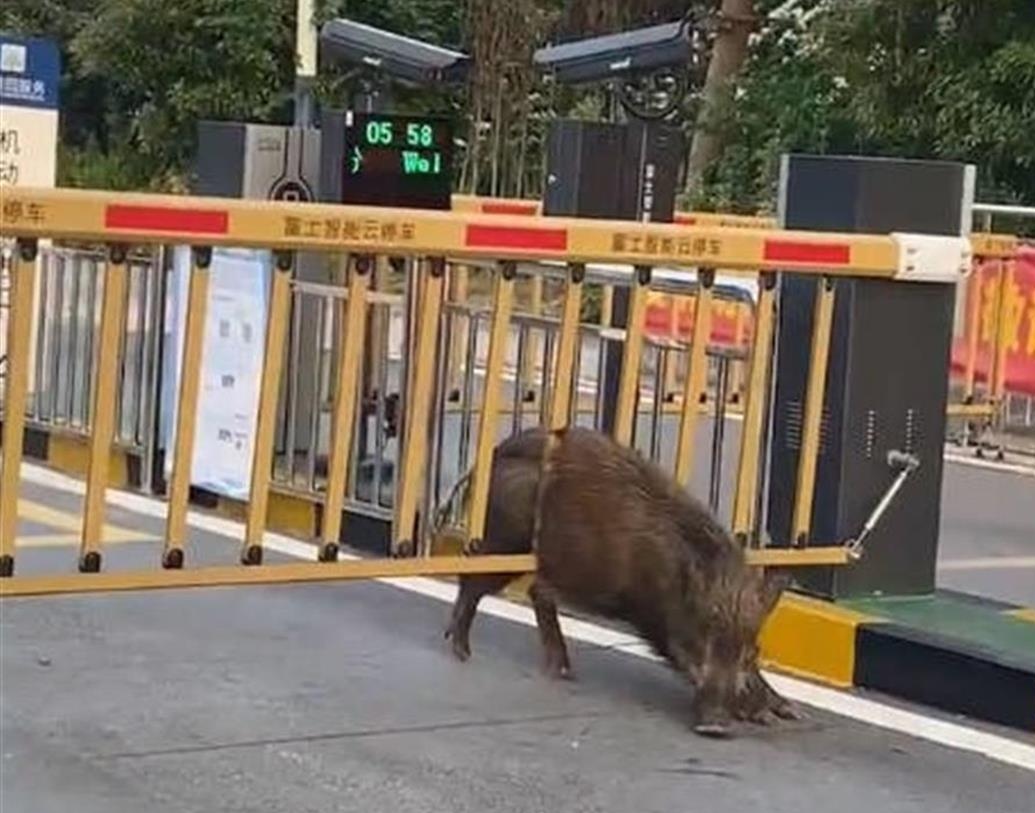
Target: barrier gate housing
{"type": "Point", "coordinates": [433, 244]}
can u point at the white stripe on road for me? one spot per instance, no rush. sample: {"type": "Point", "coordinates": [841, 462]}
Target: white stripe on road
{"type": "Point", "coordinates": [990, 465]}
{"type": "Point", "coordinates": [989, 563]}
{"type": "Point", "coordinates": [871, 712]}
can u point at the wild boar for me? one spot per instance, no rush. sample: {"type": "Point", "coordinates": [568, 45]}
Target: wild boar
{"type": "Point", "coordinates": [617, 537]}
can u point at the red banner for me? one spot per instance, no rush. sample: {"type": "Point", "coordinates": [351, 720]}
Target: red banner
{"type": "Point", "coordinates": [671, 316]}
{"type": "Point", "coordinates": [1000, 300]}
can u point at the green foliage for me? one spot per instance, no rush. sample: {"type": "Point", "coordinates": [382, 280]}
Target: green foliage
{"type": "Point", "coordinates": [166, 65]}
{"type": "Point", "coordinates": [913, 78]}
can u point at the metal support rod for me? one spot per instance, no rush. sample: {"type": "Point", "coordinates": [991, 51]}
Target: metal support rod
{"type": "Point", "coordinates": [815, 393]}
{"type": "Point", "coordinates": [906, 464]}
{"type": "Point", "coordinates": [187, 409]}
{"type": "Point", "coordinates": [696, 390]}
{"type": "Point", "coordinates": [19, 328]}
{"type": "Point", "coordinates": [346, 395]}
{"type": "Point", "coordinates": [103, 402]}
{"type": "Point", "coordinates": [657, 401]}
{"type": "Point", "coordinates": [719, 431]}
{"type": "Point", "coordinates": [491, 390]}
{"type": "Point", "coordinates": [269, 392]}
{"type": "Point", "coordinates": [737, 371]}
{"type": "Point", "coordinates": [973, 334]}
{"type": "Point", "coordinates": [467, 392]}
{"type": "Point", "coordinates": [517, 396]}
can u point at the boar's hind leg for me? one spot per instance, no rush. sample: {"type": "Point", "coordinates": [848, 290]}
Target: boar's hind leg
{"type": "Point", "coordinates": [472, 588]}
{"type": "Point", "coordinates": [554, 649]}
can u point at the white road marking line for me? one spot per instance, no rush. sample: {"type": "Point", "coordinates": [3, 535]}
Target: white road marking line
{"type": "Point", "coordinates": [989, 465]}
{"type": "Point", "coordinates": [949, 734]}
{"type": "Point", "coordinates": [989, 563]}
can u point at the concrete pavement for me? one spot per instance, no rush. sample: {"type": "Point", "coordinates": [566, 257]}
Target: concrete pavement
{"type": "Point", "coordinates": [344, 698]}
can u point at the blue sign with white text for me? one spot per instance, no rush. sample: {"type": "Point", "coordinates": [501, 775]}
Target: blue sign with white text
{"type": "Point", "coordinates": [30, 70]}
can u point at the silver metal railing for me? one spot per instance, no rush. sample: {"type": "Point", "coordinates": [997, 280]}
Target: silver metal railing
{"type": "Point", "coordinates": [66, 321]}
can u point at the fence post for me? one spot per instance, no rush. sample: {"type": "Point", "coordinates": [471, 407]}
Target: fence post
{"type": "Point", "coordinates": [106, 370]}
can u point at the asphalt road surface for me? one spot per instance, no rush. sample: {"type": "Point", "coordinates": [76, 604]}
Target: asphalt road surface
{"type": "Point", "coordinates": [311, 699]}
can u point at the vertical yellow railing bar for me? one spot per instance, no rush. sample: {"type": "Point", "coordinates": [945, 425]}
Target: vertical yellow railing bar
{"type": "Point", "coordinates": [815, 391]}
{"type": "Point", "coordinates": [532, 349]}
{"type": "Point", "coordinates": [565, 384]}
{"type": "Point", "coordinates": [459, 279]}
{"type": "Point", "coordinates": [350, 359]}
{"type": "Point", "coordinates": [19, 338]}
{"type": "Point", "coordinates": [187, 409]}
{"type": "Point", "coordinates": [410, 476]}
{"type": "Point", "coordinates": [696, 378]}
{"type": "Point", "coordinates": [107, 364]}
{"type": "Point", "coordinates": [629, 380]}
{"type": "Point", "coordinates": [503, 299]}
{"type": "Point", "coordinates": [757, 394]}
{"type": "Point", "coordinates": [607, 304]}
{"type": "Point", "coordinates": [269, 392]}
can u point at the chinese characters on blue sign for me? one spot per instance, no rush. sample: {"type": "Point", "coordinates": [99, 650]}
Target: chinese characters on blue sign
{"type": "Point", "coordinates": [30, 70]}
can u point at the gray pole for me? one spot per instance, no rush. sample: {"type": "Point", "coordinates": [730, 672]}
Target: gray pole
{"type": "Point", "coordinates": [305, 63]}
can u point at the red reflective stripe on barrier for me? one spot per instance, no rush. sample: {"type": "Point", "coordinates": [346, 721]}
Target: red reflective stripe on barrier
{"type": "Point", "coordinates": [479, 236]}
{"type": "Point", "coordinates": [166, 218]}
{"type": "Point", "coordinates": [797, 252]}
{"type": "Point", "coordinates": [685, 220]}
{"type": "Point", "coordinates": [510, 208]}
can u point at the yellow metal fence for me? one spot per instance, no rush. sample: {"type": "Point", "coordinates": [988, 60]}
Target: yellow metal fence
{"type": "Point", "coordinates": [433, 245]}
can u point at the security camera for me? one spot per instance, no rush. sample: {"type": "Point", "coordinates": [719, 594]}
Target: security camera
{"type": "Point", "coordinates": [640, 51]}
{"type": "Point", "coordinates": [391, 54]}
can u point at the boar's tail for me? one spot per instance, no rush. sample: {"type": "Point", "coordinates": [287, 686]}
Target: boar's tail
{"type": "Point", "coordinates": [445, 508]}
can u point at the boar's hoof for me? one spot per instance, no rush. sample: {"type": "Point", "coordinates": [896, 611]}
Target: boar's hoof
{"type": "Point", "coordinates": [713, 730]}
{"type": "Point", "coordinates": [556, 671]}
{"type": "Point", "coordinates": [785, 711]}
{"type": "Point", "coordinates": [461, 649]}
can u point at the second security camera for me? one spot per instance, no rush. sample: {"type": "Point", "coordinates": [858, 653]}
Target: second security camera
{"type": "Point", "coordinates": [615, 55]}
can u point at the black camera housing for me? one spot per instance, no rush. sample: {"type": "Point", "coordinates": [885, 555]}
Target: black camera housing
{"type": "Point", "coordinates": [616, 55]}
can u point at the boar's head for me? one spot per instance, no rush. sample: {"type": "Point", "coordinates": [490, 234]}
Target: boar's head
{"type": "Point", "coordinates": [739, 606]}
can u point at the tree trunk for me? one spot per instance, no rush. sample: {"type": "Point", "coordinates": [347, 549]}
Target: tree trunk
{"type": "Point", "coordinates": [728, 55]}
{"type": "Point", "coordinates": [476, 145]}
{"type": "Point", "coordinates": [519, 172]}
{"type": "Point", "coordinates": [498, 125]}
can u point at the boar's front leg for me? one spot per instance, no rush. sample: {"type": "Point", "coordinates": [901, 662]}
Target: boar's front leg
{"type": "Point", "coordinates": [555, 651]}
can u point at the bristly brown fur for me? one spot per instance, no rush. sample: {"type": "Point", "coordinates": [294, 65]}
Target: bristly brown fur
{"type": "Point", "coordinates": [616, 536]}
